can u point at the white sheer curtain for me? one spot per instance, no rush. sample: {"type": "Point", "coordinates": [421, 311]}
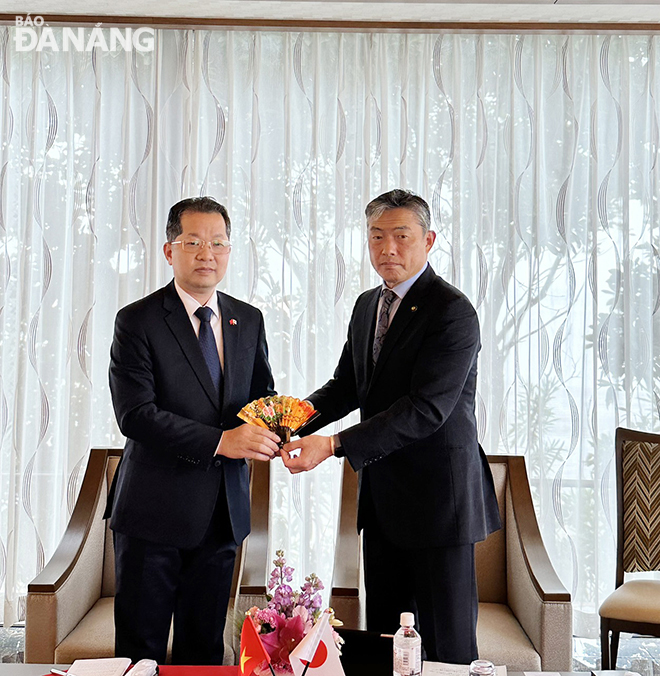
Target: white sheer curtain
{"type": "Point", "coordinates": [538, 154]}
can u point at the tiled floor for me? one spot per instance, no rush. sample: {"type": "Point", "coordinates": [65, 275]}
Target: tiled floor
{"type": "Point", "coordinates": [636, 653]}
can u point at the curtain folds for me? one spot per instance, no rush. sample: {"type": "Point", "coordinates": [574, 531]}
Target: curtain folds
{"type": "Point", "coordinates": [537, 153]}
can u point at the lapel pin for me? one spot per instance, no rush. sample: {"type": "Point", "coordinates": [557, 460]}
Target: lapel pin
{"type": "Point", "coordinates": [413, 308]}
{"type": "Point", "coordinates": [233, 322]}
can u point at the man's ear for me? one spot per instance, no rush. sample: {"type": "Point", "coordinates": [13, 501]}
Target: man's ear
{"type": "Point", "coordinates": [167, 250]}
{"type": "Point", "coordinates": [430, 239]}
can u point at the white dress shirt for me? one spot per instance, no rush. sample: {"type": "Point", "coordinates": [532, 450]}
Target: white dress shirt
{"type": "Point", "coordinates": [191, 304]}
{"type": "Point", "coordinates": [400, 290]}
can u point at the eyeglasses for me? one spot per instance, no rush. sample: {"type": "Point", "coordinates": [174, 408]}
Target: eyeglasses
{"type": "Point", "coordinates": [194, 246]}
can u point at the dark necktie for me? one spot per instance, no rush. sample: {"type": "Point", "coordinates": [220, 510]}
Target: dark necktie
{"type": "Point", "coordinates": [388, 297]}
{"type": "Point", "coordinates": [208, 345]}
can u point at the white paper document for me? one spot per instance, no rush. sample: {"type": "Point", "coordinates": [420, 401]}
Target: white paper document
{"type": "Point", "coordinates": [444, 669]}
{"type": "Point", "coordinates": [109, 666]}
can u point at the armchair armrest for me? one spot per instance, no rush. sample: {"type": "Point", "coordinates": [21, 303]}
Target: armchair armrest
{"type": "Point", "coordinates": [536, 596]}
{"type": "Point", "coordinates": [252, 557]}
{"type": "Point", "coordinates": [70, 584]}
{"type": "Point", "coordinates": [255, 548]}
{"type": "Point", "coordinates": [544, 578]}
{"type": "Point", "coordinates": [345, 595]}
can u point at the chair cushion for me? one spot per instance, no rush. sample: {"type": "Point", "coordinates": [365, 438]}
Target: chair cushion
{"type": "Point", "coordinates": [502, 640]}
{"type": "Point", "coordinates": [634, 601]}
{"type": "Point", "coordinates": [93, 636]}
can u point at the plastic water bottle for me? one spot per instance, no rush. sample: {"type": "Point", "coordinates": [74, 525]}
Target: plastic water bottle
{"type": "Point", "coordinates": [407, 648]}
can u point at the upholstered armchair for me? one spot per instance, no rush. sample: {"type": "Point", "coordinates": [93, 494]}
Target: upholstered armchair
{"type": "Point", "coordinates": [70, 603]}
{"type": "Point", "coordinates": [525, 618]}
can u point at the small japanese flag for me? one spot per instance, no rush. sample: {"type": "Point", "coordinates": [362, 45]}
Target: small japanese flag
{"type": "Point", "coordinates": [317, 654]}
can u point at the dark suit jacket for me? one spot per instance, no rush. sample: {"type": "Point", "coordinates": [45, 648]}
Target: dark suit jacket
{"type": "Point", "coordinates": [416, 446]}
{"type": "Point", "coordinates": [168, 481]}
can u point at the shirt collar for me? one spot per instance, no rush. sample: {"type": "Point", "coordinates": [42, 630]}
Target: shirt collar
{"type": "Point", "coordinates": [191, 304]}
{"type": "Point", "coordinates": [402, 289]}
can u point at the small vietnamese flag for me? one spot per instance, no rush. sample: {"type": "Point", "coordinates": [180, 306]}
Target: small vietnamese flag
{"type": "Point", "coordinates": [253, 652]}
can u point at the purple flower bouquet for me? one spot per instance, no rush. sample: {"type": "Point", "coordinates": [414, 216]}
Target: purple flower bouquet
{"type": "Point", "coordinates": [289, 614]}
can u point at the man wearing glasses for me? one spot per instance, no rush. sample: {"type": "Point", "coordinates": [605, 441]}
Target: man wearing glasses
{"type": "Point", "coordinates": [184, 361]}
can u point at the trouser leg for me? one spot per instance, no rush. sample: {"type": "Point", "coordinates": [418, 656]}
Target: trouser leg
{"type": "Point", "coordinates": [203, 594]}
{"type": "Point", "coordinates": [145, 592]}
{"type": "Point", "coordinates": [447, 603]}
{"type": "Point", "coordinates": [201, 607]}
{"type": "Point", "coordinates": [438, 584]}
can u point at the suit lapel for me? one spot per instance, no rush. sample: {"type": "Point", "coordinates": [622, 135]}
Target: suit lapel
{"type": "Point", "coordinates": [412, 307]}
{"type": "Point", "coordinates": [364, 334]}
{"type": "Point", "coordinates": [178, 322]}
{"type": "Point", "coordinates": [230, 342]}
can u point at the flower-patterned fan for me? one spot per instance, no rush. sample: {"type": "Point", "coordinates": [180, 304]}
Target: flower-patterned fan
{"type": "Point", "coordinates": [280, 414]}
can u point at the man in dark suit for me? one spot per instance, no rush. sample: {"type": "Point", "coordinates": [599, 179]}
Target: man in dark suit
{"type": "Point", "coordinates": [184, 361]}
{"type": "Point", "coordinates": [426, 491]}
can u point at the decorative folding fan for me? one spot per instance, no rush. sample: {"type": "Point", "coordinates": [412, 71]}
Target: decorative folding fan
{"type": "Point", "coordinates": [280, 414]}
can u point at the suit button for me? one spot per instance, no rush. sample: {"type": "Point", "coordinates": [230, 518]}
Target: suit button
{"type": "Point", "coordinates": [218, 463]}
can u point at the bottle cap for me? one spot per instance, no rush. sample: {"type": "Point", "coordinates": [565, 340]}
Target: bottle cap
{"type": "Point", "coordinates": [407, 619]}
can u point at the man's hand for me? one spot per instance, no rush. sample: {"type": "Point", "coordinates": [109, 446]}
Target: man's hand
{"type": "Point", "coordinates": [248, 441]}
{"type": "Point", "coordinates": [313, 451]}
